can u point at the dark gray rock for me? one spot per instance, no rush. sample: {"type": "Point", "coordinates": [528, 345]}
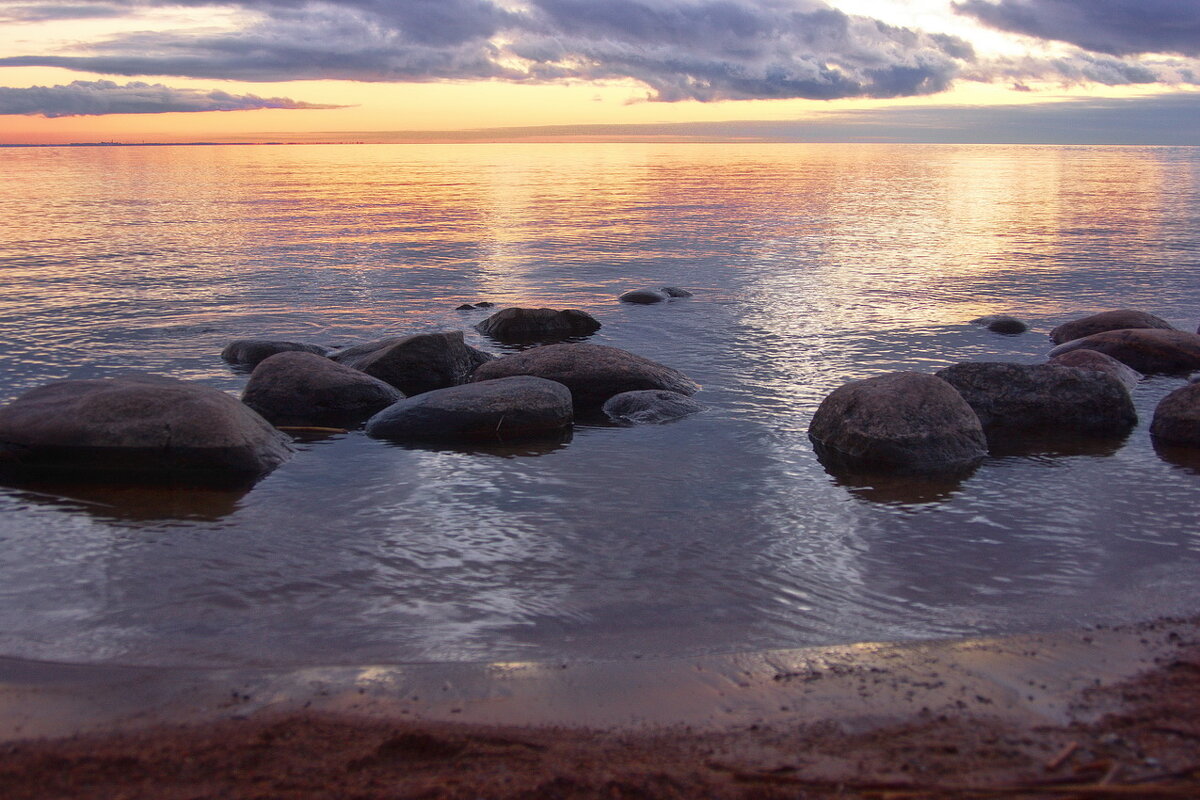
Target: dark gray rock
{"type": "Point", "coordinates": [537, 324]}
{"type": "Point", "coordinates": [249, 352]}
{"type": "Point", "coordinates": [416, 364]}
{"type": "Point", "coordinates": [675, 291]}
{"type": "Point", "coordinates": [592, 372]}
{"type": "Point", "coordinates": [143, 426]}
{"type": "Point", "coordinates": [307, 389]}
{"type": "Point", "coordinates": [650, 406]}
{"type": "Point", "coordinates": [1094, 360]}
{"type": "Point", "coordinates": [901, 421]}
{"type": "Point", "coordinates": [505, 409]}
{"type": "Point", "coordinates": [1177, 418]}
{"type": "Point", "coordinates": [1147, 350]}
{"type": "Point", "coordinates": [465, 307]}
{"type": "Point", "coordinates": [1107, 321]}
{"type": "Point", "coordinates": [1040, 397]}
{"type": "Point", "coordinates": [1001, 323]}
{"type": "Point", "coordinates": [645, 296]}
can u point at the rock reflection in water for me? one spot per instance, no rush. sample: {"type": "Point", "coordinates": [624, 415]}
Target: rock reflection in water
{"type": "Point", "coordinates": [899, 488]}
{"type": "Point", "coordinates": [499, 449]}
{"type": "Point", "coordinates": [136, 502]}
{"type": "Point", "coordinates": [1002, 443]}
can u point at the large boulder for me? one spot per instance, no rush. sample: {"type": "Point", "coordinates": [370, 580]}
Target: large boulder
{"type": "Point", "coordinates": [1146, 350]}
{"type": "Point", "coordinates": [504, 409]}
{"type": "Point", "coordinates": [901, 421]}
{"type": "Point", "coordinates": [1041, 397]}
{"type": "Point", "coordinates": [250, 352]}
{"type": "Point", "coordinates": [1001, 323]}
{"type": "Point", "coordinates": [307, 389]}
{"type": "Point", "coordinates": [649, 406]}
{"type": "Point", "coordinates": [592, 372]}
{"type": "Point", "coordinates": [1095, 360]}
{"type": "Point", "coordinates": [143, 426]}
{"type": "Point", "coordinates": [1177, 418]}
{"type": "Point", "coordinates": [1107, 321]}
{"type": "Point", "coordinates": [537, 324]}
{"type": "Point", "coordinates": [416, 364]}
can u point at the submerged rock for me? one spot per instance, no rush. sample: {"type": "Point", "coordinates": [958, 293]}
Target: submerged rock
{"type": "Point", "coordinates": [1001, 323]}
{"type": "Point", "coordinates": [645, 296]}
{"type": "Point", "coordinates": [1040, 397]}
{"type": "Point", "coordinates": [504, 409]}
{"type": "Point", "coordinates": [416, 364]}
{"type": "Point", "coordinates": [592, 372]}
{"type": "Point", "coordinates": [249, 352]}
{"type": "Point", "coordinates": [649, 406]}
{"type": "Point", "coordinates": [306, 389]}
{"type": "Point", "coordinates": [1095, 360]}
{"type": "Point", "coordinates": [1177, 418]}
{"type": "Point", "coordinates": [901, 421]}
{"type": "Point", "coordinates": [1107, 321]}
{"type": "Point", "coordinates": [537, 324]}
{"type": "Point", "coordinates": [1147, 350]}
{"type": "Point", "coordinates": [144, 426]}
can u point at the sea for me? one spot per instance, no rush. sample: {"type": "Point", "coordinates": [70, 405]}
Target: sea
{"type": "Point", "coordinates": [810, 264]}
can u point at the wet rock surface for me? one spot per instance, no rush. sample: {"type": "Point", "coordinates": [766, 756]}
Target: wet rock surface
{"type": "Point", "coordinates": [901, 421]}
{"type": "Point", "coordinates": [503, 409]}
{"type": "Point", "coordinates": [1147, 350]}
{"type": "Point", "coordinates": [416, 364]}
{"type": "Point", "coordinates": [307, 389]}
{"type": "Point", "coordinates": [141, 426]}
{"type": "Point", "coordinates": [1095, 360]}
{"type": "Point", "coordinates": [592, 372]}
{"type": "Point", "coordinates": [249, 352]}
{"type": "Point", "coordinates": [1002, 323]}
{"type": "Point", "coordinates": [1119, 319]}
{"type": "Point", "coordinates": [1177, 417]}
{"type": "Point", "coordinates": [650, 406]}
{"type": "Point", "coordinates": [537, 324]}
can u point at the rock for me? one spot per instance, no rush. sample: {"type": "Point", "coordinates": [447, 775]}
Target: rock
{"type": "Point", "coordinates": [465, 307]}
{"type": "Point", "coordinates": [145, 426]}
{"type": "Point", "coordinates": [503, 409]}
{"type": "Point", "coordinates": [1095, 360]}
{"type": "Point", "coordinates": [592, 372]}
{"type": "Point", "coordinates": [1001, 323]}
{"type": "Point", "coordinates": [485, 304]}
{"type": "Point", "coordinates": [1146, 350]}
{"type": "Point", "coordinates": [675, 291]}
{"type": "Point", "coordinates": [645, 296]}
{"type": "Point", "coordinates": [249, 352]}
{"type": "Point", "coordinates": [901, 421]}
{"type": "Point", "coordinates": [1107, 321]}
{"type": "Point", "coordinates": [415, 364]}
{"type": "Point", "coordinates": [537, 324]}
{"type": "Point", "coordinates": [1177, 418]}
{"type": "Point", "coordinates": [307, 389]}
{"type": "Point", "coordinates": [650, 406]}
{"type": "Point", "coordinates": [1040, 397]}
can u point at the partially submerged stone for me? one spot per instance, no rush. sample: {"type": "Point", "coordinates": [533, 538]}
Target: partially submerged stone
{"type": "Point", "coordinates": [504, 409]}
{"type": "Point", "coordinates": [1147, 350]}
{"type": "Point", "coordinates": [307, 389]}
{"type": "Point", "coordinates": [1039, 397]}
{"type": "Point", "coordinates": [901, 421]}
{"type": "Point", "coordinates": [142, 426]}
{"type": "Point", "coordinates": [1095, 360]}
{"type": "Point", "coordinates": [1119, 319]}
{"type": "Point", "coordinates": [1002, 323]}
{"type": "Point", "coordinates": [592, 372]}
{"type": "Point", "coordinates": [649, 406]}
{"type": "Point", "coordinates": [416, 364]}
{"type": "Point", "coordinates": [250, 352]}
{"type": "Point", "coordinates": [537, 324]}
{"type": "Point", "coordinates": [1177, 418]}
{"type": "Point", "coordinates": [644, 297]}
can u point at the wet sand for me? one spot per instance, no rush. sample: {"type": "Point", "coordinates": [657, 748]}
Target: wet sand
{"type": "Point", "coordinates": [1109, 712]}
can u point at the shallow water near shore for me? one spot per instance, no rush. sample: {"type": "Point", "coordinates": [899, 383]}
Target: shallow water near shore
{"type": "Point", "coordinates": [811, 265]}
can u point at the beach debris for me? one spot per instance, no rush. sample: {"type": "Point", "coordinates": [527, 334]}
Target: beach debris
{"type": "Point", "coordinates": [592, 372]}
{"type": "Point", "coordinates": [416, 364]}
{"type": "Point", "coordinates": [504, 409]}
{"type": "Point", "coordinates": [249, 352]}
{"type": "Point", "coordinates": [138, 425]}
{"type": "Point", "coordinates": [650, 406]}
{"type": "Point", "coordinates": [1119, 319]}
{"type": "Point", "coordinates": [1147, 350]}
{"type": "Point", "coordinates": [537, 324]}
{"type": "Point", "coordinates": [304, 389]}
{"type": "Point", "coordinates": [899, 421]}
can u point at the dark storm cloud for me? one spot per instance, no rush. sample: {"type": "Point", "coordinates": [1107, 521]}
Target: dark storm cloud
{"type": "Point", "coordinates": [681, 49]}
{"type": "Point", "coordinates": [89, 98]}
{"type": "Point", "coordinates": [1117, 27]}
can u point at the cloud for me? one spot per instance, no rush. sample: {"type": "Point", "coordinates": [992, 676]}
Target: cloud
{"type": "Point", "coordinates": [53, 12]}
{"type": "Point", "coordinates": [1116, 27]}
{"type": "Point", "coordinates": [89, 98]}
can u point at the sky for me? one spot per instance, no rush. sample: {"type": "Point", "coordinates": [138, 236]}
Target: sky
{"type": "Point", "coordinates": [137, 71]}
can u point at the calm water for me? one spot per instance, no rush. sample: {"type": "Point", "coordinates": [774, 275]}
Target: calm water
{"type": "Point", "coordinates": [811, 265]}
